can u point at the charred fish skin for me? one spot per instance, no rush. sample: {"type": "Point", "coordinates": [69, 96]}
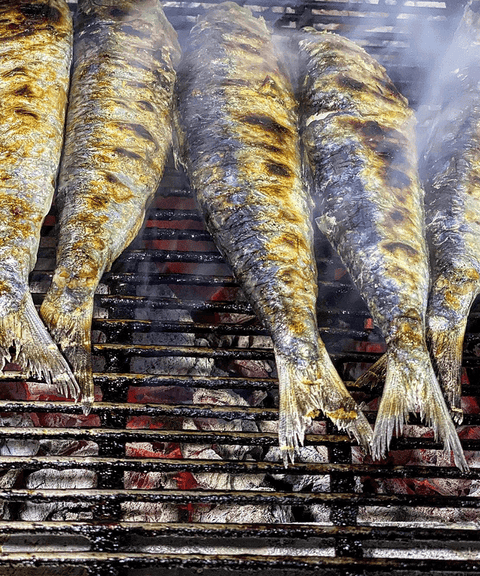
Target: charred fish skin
{"type": "Point", "coordinates": [358, 134]}
{"type": "Point", "coordinates": [450, 170]}
{"type": "Point", "coordinates": [118, 134]}
{"type": "Point", "coordinates": [35, 58]}
{"type": "Point", "coordinates": [237, 128]}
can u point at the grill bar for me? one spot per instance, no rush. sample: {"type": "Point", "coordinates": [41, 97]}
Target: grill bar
{"type": "Point", "coordinates": [243, 561]}
{"type": "Point", "coordinates": [223, 466]}
{"type": "Point", "coordinates": [235, 497]}
{"type": "Point", "coordinates": [406, 534]}
{"type": "Point", "coordinates": [242, 438]}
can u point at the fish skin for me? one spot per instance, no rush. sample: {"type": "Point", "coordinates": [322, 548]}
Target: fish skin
{"type": "Point", "coordinates": [118, 134]}
{"type": "Point", "coordinates": [35, 58]}
{"type": "Point", "coordinates": [237, 129]}
{"type": "Point", "coordinates": [358, 133]}
{"type": "Point", "coordinates": [450, 170]}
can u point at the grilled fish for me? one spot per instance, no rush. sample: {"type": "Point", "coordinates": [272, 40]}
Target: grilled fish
{"type": "Point", "coordinates": [35, 58]}
{"type": "Point", "coordinates": [450, 170]}
{"type": "Point", "coordinates": [118, 134]}
{"type": "Point", "coordinates": [238, 138]}
{"type": "Point", "coordinates": [358, 133]}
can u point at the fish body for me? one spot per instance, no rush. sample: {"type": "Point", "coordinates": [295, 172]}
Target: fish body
{"type": "Point", "coordinates": [450, 170]}
{"type": "Point", "coordinates": [118, 134]}
{"type": "Point", "coordinates": [237, 127]}
{"type": "Point", "coordinates": [358, 133]}
{"type": "Point", "coordinates": [35, 58]}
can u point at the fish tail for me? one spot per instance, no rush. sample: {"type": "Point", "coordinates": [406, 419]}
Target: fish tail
{"type": "Point", "coordinates": [374, 375]}
{"type": "Point", "coordinates": [305, 391]}
{"type": "Point", "coordinates": [446, 348]}
{"type": "Point", "coordinates": [72, 334]}
{"type": "Point", "coordinates": [411, 386]}
{"type": "Point", "coordinates": [35, 350]}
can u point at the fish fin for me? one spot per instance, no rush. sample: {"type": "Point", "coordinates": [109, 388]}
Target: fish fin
{"type": "Point", "coordinates": [446, 349]}
{"type": "Point", "coordinates": [305, 391]}
{"type": "Point", "coordinates": [326, 224]}
{"type": "Point", "coordinates": [35, 350]}
{"type": "Point", "coordinates": [72, 334]}
{"type": "Point", "coordinates": [374, 375]}
{"type": "Point", "coordinates": [411, 386]}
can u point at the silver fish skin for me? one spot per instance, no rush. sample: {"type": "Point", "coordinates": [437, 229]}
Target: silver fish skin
{"type": "Point", "coordinates": [358, 133]}
{"type": "Point", "coordinates": [237, 127]}
{"type": "Point", "coordinates": [118, 134]}
{"type": "Point", "coordinates": [450, 170]}
{"type": "Point", "coordinates": [35, 58]}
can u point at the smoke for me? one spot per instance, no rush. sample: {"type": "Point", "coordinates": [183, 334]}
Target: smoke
{"type": "Point", "coordinates": [455, 70]}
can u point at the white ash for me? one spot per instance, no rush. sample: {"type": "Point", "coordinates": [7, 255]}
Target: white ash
{"type": "Point", "coordinates": [14, 447]}
{"type": "Point", "coordinates": [149, 511]}
{"type": "Point", "coordinates": [18, 446]}
{"type": "Point", "coordinates": [224, 481]}
{"type": "Point", "coordinates": [429, 551]}
{"type": "Point", "coordinates": [61, 479]}
{"type": "Point", "coordinates": [48, 478]}
{"type": "Point", "coordinates": [240, 514]}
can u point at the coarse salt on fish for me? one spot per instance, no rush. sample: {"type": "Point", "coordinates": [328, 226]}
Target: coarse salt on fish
{"type": "Point", "coordinates": [118, 134]}
{"type": "Point", "coordinates": [370, 207]}
{"type": "Point", "coordinates": [35, 58]}
{"type": "Point", "coordinates": [237, 128]}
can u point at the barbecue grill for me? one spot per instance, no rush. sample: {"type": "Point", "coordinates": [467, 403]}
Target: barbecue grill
{"type": "Point", "coordinates": [177, 469]}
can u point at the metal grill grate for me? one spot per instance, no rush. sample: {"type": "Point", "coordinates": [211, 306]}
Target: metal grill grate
{"type": "Point", "coordinates": [176, 467]}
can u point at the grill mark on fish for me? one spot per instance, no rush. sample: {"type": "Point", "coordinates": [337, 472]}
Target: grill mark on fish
{"type": "Point", "coordinates": [238, 139]}
{"type": "Point", "coordinates": [130, 31]}
{"type": "Point", "coordinates": [118, 13]}
{"type": "Point", "coordinates": [397, 216]}
{"type": "Point", "coordinates": [361, 148]}
{"type": "Point", "coordinates": [278, 169]}
{"type": "Point", "coordinates": [267, 123]}
{"type": "Point", "coordinates": [394, 246]}
{"type": "Point", "coordinates": [118, 133]}
{"type": "Point", "coordinates": [269, 147]}
{"type": "Point", "coordinates": [25, 91]}
{"type": "Point", "coordinates": [243, 46]}
{"type": "Point", "coordinates": [40, 12]}
{"type": "Point", "coordinates": [17, 71]}
{"type": "Point", "coordinates": [144, 105]}
{"type": "Point", "coordinates": [138, 129]}
{"type": "Point", "coordinates": [348, 82]}
{"type": "Point", "coordinates": [127, 153]}
{"type": "Point", "coordinates": [25, 112]}
{"type": "Point", "coordinates": [234, 82]}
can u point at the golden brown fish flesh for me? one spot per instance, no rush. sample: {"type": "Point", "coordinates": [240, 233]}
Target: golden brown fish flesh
{"type": "Point", "coordinates": [239, 141]}
{"type": "Point", "coordinates": [35, 58]}
{"type": "Point", "coordinates": [118, 134]}
{"type": "Point", "coordinates": [359, 138]}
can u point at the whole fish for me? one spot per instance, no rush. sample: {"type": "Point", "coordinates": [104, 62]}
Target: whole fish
{"type": "Point", "coordinates": [35, 58]}
{"type": "Point", "coordinates": [450, 170]}
{"type": "Point", "coordinates": [358, 133]}
{"type": "Point", "coordinates": [118, 134]}
{"type": "Point", "coordinates": [238, 139]}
